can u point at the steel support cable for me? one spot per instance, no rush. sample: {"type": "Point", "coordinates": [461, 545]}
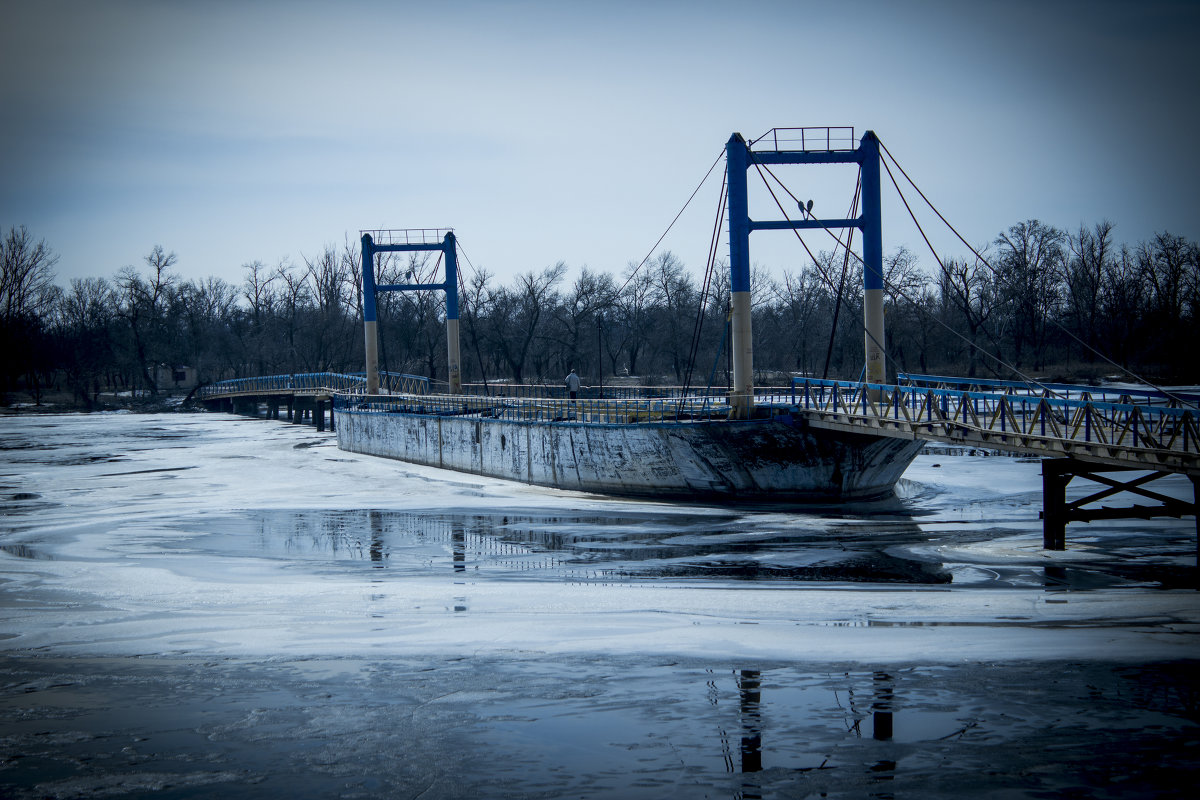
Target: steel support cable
{"type": "Point", "coordinates": [847, 246]}
{"type": "Point", "coordinates": [717, 356]}
{"type": "Point", "coordinates": [1028, 380]}
{"type": "Point", "coordinates": [706, 291]}
{"type": "Point", "coordinates": [462, 286]}
{"type": "Point", "coordinates": [436, 264]}
{"type": "Point", "coordinates": [799, 238]}
{"type": "Point", "coordinates": [709, 267]}
{"type": "Point", "coordinates": [837, 306]}
{"type": "Point", "coordinates": [381, 310]}
{"type": "Point", "coordinates": [997, 274]}
{"type": "Point", "coordinates": [896, 290]}
{"type": "Point", "coordinates": [816, 263]}
{"type": "Point", "coordinates": [796, 200]}
{"type": "Point", "coordinates": [691, 197]}
{"type": "Point", "coordinates": [458, 246]}
{"type": "Point", "coordinates": [697, 329]}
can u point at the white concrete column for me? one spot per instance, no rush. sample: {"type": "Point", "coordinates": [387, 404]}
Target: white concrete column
{"type": "Point", "coordinates": [876, 371]}
{"type": "Point", "coordinates": [741, 402]}
{"type": "Point", "coordinates": [453, 352]}
{"type": "Point", "coordinates": [372, 348]}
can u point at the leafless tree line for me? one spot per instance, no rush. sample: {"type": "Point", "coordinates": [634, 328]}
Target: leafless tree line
{"type": "Point", "coordinates": [1037, 300]}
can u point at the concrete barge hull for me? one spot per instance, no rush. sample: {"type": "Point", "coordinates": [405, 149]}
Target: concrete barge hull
{"type": "Point", "coordinates": [758, 460]}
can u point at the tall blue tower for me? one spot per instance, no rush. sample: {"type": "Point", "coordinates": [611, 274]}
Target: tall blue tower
{"type": "Point", "coordinates": [801, 146]}
{"type": "Point", "coordinates": [399, 241]}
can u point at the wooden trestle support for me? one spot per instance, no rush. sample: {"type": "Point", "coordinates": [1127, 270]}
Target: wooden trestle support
{"type": "Point", "coordinates": [1057, 512]}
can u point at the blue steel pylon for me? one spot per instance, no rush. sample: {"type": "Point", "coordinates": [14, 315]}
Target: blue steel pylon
{"type": "Point", "coordinates": [739, 156]}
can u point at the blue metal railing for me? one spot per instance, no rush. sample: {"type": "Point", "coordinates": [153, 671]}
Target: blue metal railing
{"type": "Point", "coordinates": [1118, 394]}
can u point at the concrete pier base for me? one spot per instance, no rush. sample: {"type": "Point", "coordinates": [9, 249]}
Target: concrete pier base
{"type": "Point", "coordinates": [770, 459]}
{"type": "Point", "coordinates": [1057, 512]}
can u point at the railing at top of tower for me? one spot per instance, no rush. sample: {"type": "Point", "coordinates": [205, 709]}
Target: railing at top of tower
{"type": "Point", "coordinates": [384, 236]}
{"type": "Point", "coordinates": [807, 140]}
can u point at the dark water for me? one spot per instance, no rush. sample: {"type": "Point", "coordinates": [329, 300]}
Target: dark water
{"type": "Point", "coordinates": [588, 728]}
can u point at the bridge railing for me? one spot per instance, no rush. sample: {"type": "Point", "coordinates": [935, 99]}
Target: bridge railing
{"type": "Point", "coordinates": [809, 139]}
{"type": "Point", "coordinates": [543, 408]}
{"type": "Point", "coordinates": [946, 411]}
{"type": "Point", "coordinates": [1066, 391]}
{"type": "Point", "coordinates": [400, 383]}
{"type": "Point", "coordinates": [616, 392]}
{"type": "Point", "coordinates": [314, 382]}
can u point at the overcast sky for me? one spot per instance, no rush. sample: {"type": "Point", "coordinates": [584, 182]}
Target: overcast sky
{"type": "Point", "coordinates": [572, 131]}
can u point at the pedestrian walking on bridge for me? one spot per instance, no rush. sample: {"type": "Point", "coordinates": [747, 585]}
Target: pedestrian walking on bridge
{"type": "Point", "coordinates": [572, 383]}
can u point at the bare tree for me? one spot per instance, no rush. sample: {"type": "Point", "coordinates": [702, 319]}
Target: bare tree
{"type": "Point", "coordinates": [673, 294]}
{"type": "Point", "coordinates": [969, 288]}
{"type": "Point", "coordinates": [260, 295]}
{"type": "Point", "coordinates": [1090, 258]}
{"type": "Point", "coordinates": [576, 318]}
{"type": "Point", "coordinates": [26, 274]}
{"type": "Point", "coordinates": [144, 304]}
{"type": "Point", "coordinates": [27, 293]}
{"type": "Point", "coordinates": [294, 297]}
{"type": "Point", "coordinates": [85, 317]}
{"type": "Point", "coordinates": [1168, 265]}
{"type": "Point", "coordinates": [634, 304]}
{"type": "Point", "coordinates": [1030, 268]}
{"type": "Point", "coordinates": [329, 322]}
{"type": "Point", "coordinates": [519, 315]}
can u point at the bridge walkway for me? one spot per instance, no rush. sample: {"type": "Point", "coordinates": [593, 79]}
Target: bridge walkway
{"type": "Point", "coordinates": [1080, 431]}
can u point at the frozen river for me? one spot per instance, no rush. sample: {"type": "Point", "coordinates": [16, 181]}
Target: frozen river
{"type": "Point", "coordinates": [207, 605]}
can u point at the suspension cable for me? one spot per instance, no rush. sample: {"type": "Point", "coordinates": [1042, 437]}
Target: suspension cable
{"type": "Point", "coordinates": [837, 306]}
{"type": "Point", "coordinates": [847, 246]}
{"type": "Point", "coordinates": [896, 290]}
{"type": "Point", "coordinates": [676, 219]}
{"type": "Point", "coordinates": [462, 286]}
{"type": "Point", "coordinates": [937, 259]}
{"type": "Point", "coordinates": [816, 263]}
{"type": "Point", "coordinates": [829, 231]}
{"type": "Point", "coordinates": [714, 244]}
{"type": "Point", "coordinates": [996, 273]}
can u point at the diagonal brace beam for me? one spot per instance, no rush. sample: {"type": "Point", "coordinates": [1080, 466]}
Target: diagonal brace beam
{"type": "Point", "coordinates": [1116, 487]}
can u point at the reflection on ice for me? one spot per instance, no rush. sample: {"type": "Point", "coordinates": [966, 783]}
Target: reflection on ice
{"type": "Point", "coordinates": [667, 543]}
{"type": "Point", "coordinates": [557, 546]}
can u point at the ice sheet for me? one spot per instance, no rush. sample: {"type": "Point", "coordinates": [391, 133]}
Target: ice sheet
{"type": "Point", "coordinates": [98, 559]}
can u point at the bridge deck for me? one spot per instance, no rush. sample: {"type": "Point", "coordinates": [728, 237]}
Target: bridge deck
{"type": "Point", "coordinates": [1147, 431]}
{"type": "Point", "coordinates": [1164, 438]}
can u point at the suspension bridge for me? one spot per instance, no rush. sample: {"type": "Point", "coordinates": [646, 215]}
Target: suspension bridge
{"type": "Point", "coordinates": [1090, 432]}
{"type": "Point", "coordinates": [1137, 434]}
